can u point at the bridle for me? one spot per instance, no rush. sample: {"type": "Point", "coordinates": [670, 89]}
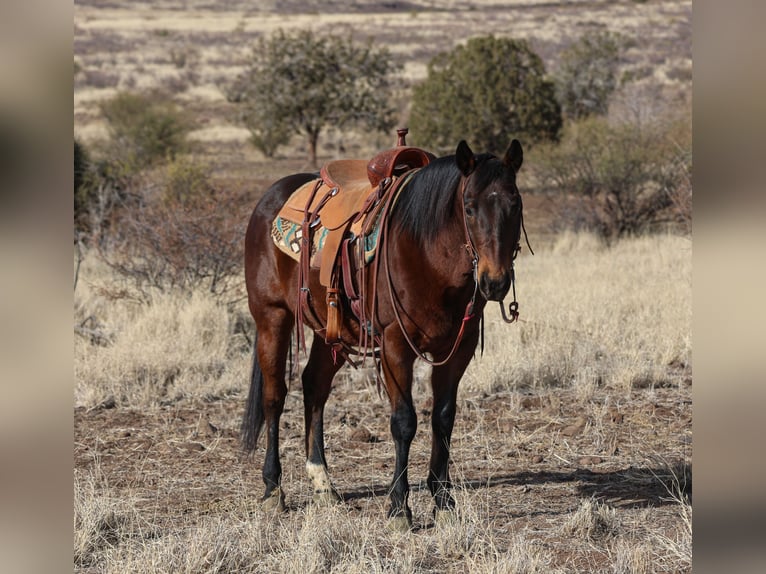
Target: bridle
{"type": "Point", "coordinates": [469, 310]}
{"type": "Point", "coordinates": [513, 307]}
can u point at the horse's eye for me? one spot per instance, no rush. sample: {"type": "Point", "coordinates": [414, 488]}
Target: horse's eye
{"type": "Point", "coordinates": [469, 211]}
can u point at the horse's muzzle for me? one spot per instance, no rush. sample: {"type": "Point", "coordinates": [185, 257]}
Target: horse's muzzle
{"type": "Point", "coordinates": [494, 288]}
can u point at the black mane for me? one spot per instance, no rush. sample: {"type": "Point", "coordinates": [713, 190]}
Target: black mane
{"type": "Point", "coordinates": [425, 204]}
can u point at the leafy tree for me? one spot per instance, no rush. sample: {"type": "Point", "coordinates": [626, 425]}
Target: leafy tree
{"type": "Point", "coordinates": [487, 92]}
{"type": "Point", "coordinates": [587, 74]}
{"type": "Point", "coordinates": [145, 129]}
{"type": "Point", "coordinates": [301, 82]}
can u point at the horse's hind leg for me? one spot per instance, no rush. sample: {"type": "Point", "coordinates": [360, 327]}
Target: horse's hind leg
{"type": "Point", "coordinates": [267, 397]}
{"type": "Point", "coordinates": [317, 382]}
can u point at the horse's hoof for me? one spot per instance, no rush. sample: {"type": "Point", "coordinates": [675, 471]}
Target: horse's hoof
{"type": "Point", "coordinates": [399, 524]}
{"type": "Point", "coordinates": [444, 517]}
{"type": "Point", "coordinates": [274, 502]}
{"type": "Point", "coordinates": [326, 498]}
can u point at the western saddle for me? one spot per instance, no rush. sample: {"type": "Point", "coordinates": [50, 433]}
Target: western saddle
{"type": "Point", "coordinates": [346, 206]}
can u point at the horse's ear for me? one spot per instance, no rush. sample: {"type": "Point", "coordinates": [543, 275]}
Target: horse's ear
{"type": "Point", "coordinates": [514, 156]}
{"type": "Point", "coordinates": [466, 162]}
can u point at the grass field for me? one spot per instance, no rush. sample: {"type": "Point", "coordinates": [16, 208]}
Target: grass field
{"type": "Point", "coordinates": [572, 449]}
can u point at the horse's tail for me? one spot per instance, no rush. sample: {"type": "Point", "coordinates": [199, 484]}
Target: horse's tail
{"type": "Point", "coordinates": [252, 422]}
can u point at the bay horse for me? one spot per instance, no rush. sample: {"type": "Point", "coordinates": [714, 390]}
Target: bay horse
{"type": "Point", "coordinates": [449, 247]}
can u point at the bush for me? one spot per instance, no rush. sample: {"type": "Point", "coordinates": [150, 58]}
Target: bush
{"type": "Point", "coordinates": [186, 182]}
{"type": "Point", "coordinates": [619, 180]}
{"type": "Point", "coordinates": [99, 187]}
{"type": "Point", "coordinates": [487, 91]}
{"type": "Point", "coordinates": [301, 82]}
{"type": "Point", "coordinates": [181, 242]}
{"type": "Point", "coordinates": [145, 129]}
{"type": "Point", "coordinates": [587, 74]}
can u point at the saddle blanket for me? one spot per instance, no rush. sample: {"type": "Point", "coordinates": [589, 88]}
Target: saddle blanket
{"type": "Point", "coordinates": [287, 236]}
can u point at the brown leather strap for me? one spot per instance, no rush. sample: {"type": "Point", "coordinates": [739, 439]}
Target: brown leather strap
{"type": "Point", "coordinates": [467, 315]}
{"type": "Point", "coordinates": [304, 307]}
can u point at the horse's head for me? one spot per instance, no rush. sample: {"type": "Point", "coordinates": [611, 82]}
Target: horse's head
{"type": "Point", "coordinates": [492, 210]}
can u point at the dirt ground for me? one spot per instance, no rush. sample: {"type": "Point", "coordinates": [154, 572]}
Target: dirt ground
{"type": "Point", "coordinates": [534, 456]}
{"type": "Point", "coordinates": [530, 457]}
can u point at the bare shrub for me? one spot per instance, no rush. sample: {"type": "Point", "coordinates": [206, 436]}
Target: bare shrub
{"type": "Point", "coordinates": [181, 243]}
{"type": "Point", "coordinates": [100, 187]}
{"type": "Point", "coordinates": [620, 179]}
{"type": "Point", "coordinates": [587, 74]}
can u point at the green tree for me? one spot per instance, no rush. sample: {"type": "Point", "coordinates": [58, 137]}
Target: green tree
{"type": "Point", "coordinates": [302, 82]}
{"type": "Point", "coordinates": [587, 74]}
{"type": "Point", "coordinates": [145, 129]}
{"type": "Point", "coordinates": [487, 91]}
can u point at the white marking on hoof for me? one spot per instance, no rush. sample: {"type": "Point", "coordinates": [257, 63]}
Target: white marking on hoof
{"type": "Point", "coordinates": [324, 493]}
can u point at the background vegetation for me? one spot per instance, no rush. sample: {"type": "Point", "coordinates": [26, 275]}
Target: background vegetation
{"type": "Point", "coordinates": [487, 92]}
{"type": "Point", "coordinates": [587, 75]}
{"type": "Point", "coordinates": [305, 83]}
{"type": "Point", "coordinates": [572, 449]}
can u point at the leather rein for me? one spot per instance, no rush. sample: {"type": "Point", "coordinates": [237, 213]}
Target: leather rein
{"type": "Point", "coordinates": [469, 309]}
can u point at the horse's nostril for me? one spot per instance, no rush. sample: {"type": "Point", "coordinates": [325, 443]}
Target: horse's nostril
{"type": "Point", "coordinates": [494, 288]}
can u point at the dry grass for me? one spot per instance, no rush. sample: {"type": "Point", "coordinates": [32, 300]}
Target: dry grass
{"type": "Point", "coordinates": [152, 353]}
{"type": "Point", "coordinates": [593, 316]}
{"type": "Point", "coordinates": [573, 435]}
{"type": "Point", "coordinates": [112, 536]}
{"type": "Point", "coordinates": [160, 486]}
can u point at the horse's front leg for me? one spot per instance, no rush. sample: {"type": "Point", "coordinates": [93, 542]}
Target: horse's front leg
{"type": "Point", "coordinates": [397, 361]}
{"type": "Point", "coordinates": [444, 384]}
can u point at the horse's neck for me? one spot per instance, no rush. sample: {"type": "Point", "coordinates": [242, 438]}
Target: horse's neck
{"type": "Point", "coordinates": [446, 259]}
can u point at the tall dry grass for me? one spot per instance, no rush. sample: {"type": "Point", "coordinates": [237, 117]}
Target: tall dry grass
{"type": "Point", "coordinates": [613, 320]}
{"type": "Point", "coordinates": [593, 315]}
{"type": "Point", "coordinates": [139, 353]}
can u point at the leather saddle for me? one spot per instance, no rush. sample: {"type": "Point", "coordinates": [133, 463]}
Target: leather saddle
{"type": "Point", "coordinates": [343, 204]}
{"type": "Point", "coordinates": [349, 190]}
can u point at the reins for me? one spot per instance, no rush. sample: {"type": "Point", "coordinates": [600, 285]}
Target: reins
{"type": "Point", "coordinates": [513, 307]}
{"type": "Point", "coordinates": [469, 310]}
{"type": "Point", "coordinates": [467, 315]}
